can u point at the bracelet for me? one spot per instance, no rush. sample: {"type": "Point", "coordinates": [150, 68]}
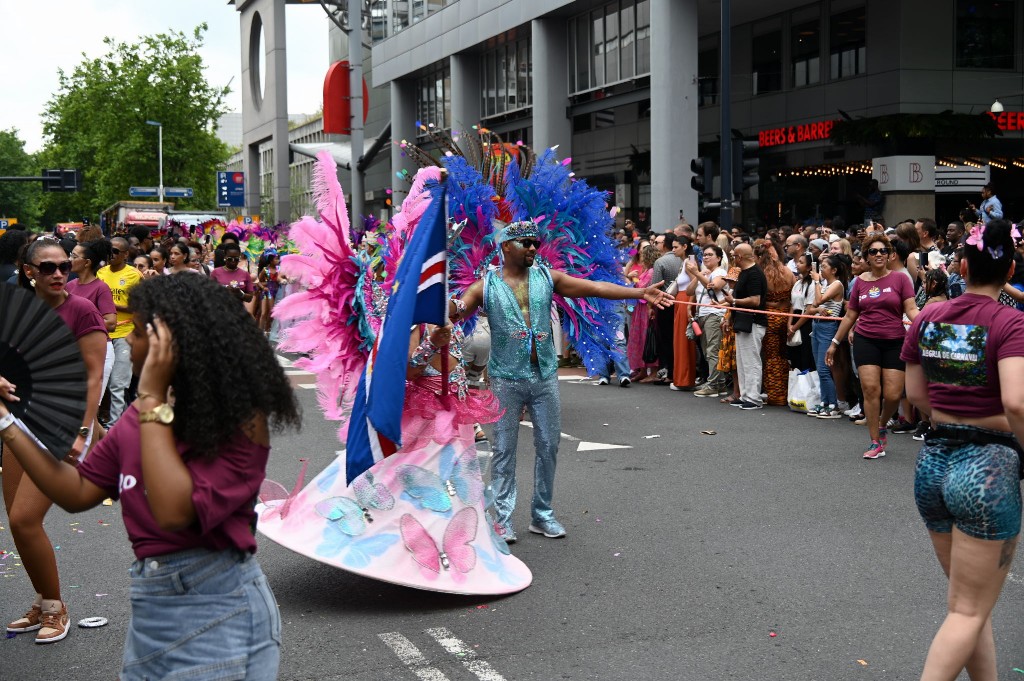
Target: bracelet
{"type": "Point", "coordinates": [424, 351]}
{"type": "Point", "coordinates": [6, 421]}
{"type": "Point", "coordinates": [460, 308]}
{"type": "Point", "coordinates": [835, 342]}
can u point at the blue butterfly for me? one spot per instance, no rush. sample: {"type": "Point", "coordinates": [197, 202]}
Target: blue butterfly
{"type": "Point", "coordinates": [344, 514]}
{"type": "Point", "coordinates": [359, 553]}
{"type": "Point", "coordinates": [326, 479]}
{"type": "Point", "coordinates": [460, 476]}
{"type": "Point", "coordinates": [495, 564]}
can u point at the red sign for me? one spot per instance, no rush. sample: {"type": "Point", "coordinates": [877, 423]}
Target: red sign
{"type": "Point", "coordinates": [1008, 120]}
{"type": "Point", "coordinates": [794, 134]}
{"type": "Point", "coordinates": [337, 100]}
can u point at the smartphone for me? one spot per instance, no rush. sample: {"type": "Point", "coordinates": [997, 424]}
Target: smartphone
{"type": "Point", "coordinates": [693, 258]}
{"type": "Point", "coordinates": [867, 223]}
{"type": "Point", "coordinates": [817, 267]}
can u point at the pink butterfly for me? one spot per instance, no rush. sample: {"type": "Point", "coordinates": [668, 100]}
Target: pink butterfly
{"type": "Point", "coordinates": [276, 498]}
{"type": "Point", "coordinates": [456, 550]}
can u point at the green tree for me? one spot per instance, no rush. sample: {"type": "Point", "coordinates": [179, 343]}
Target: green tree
{"type": "Point", "coordinates": [18, 199]}
{"type": "Point", "coordinates": [96, 122]}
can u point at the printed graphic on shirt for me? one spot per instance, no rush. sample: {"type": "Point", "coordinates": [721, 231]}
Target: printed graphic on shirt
{"type": "Point", "coordinates": [874, 292]}
{"type": "Point", "coordinates": [954, 354]}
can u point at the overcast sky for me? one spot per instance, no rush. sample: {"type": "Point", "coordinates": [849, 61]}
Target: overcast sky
{"type": "Point", "coordinates": [40, 36]}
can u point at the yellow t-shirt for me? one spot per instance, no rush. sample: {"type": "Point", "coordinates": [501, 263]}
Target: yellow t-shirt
{"type": "Point", "coordinates": [120, 284]}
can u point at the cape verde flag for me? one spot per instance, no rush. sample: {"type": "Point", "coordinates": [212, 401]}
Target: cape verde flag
{"type": "Point", "coordinates": [419, 296]}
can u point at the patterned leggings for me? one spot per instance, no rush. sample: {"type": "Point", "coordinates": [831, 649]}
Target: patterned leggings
{"type": "Point", "coordinates": [971, 485]}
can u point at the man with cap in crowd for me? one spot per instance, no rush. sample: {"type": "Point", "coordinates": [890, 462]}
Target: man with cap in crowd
{"type": "Point", "coordinates": [523, 365]}
{"type": "Point", "coordinates": [817, 247]}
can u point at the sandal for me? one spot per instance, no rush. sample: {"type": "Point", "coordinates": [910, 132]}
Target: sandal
{"type": "Point", "coordinates": [729, 400]}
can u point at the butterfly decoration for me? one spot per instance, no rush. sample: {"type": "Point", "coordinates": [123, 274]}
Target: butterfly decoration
{"type": "Point", "coordinates": [460, 476]}
{"type": "Point", "coordinates": [372, 494]}
{"type": "Point", "coordinates": [276, 498]}
{"type": "Point", "coordinates": [329, 475]}
{"type": "Point", "coordinates": [455, 551]}
{"type": "Point", "coordinates": [345, 514]}
{"type": "Point", "coordinates": [494, 564]}
{"type": "Point", "coordinates": [356, 553]}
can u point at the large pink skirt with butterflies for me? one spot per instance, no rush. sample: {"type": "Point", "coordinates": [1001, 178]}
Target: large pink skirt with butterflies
{"type": "Point", "coordinates": [418, 518]}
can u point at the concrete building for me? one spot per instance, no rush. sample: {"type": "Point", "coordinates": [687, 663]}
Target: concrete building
{"type": "Point", "coordinates": [630, 90]}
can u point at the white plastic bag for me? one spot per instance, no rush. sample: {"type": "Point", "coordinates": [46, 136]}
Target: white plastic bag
{"type": "Point", "coordinates": [804, 391]}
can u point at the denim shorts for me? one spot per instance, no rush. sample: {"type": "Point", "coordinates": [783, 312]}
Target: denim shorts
{"type": "Point", "coordinates": [967, 477]}
{"type": "Point", "coordinates": [201, 615]}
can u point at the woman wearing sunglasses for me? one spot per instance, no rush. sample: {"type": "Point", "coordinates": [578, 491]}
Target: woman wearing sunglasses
{"type": "Point", "coordinates": [45, 271]}
{"type": "Point", "coordinates": [878, 300]}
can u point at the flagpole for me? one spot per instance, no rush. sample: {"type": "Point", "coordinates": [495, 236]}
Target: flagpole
{"type": "Point", "coordinates": [443, 179]}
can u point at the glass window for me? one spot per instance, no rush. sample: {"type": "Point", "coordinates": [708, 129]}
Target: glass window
{"type": "Point", "coordinates": [433, 99]}
{"type": "Point", "coordinates": [597, 20]}
{"type": "Point", "coordinates": [984, 34]}
{"type": "Point", "coordinates": [847, 52]}
{"type": "Point", "coordinates": [611, 42]}
{"type": "Point", "coordinates": [707, 77]}
{"type": "Point", "coordinates": [582, 54]}
{"type": "Point", "coordinates": [643, 37]}
{"type": "Point", "coordinates": [500, 59]}
{"type": "Point", "coordinates": [626, 57]}
{"type": "Point", "coordinates": [767, 63]}
{"type": "Point", "coordinates": [523, 73]}
{"type": "Point", "coordinates": [489, 101]}
{"type": "Point", "coordinates": [806, 53]}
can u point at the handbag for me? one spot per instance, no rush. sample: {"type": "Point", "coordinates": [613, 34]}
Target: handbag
{"type": "Point", "coordinates": [743, 322]}
{"type": "Point", "coordinates": [796, 340]}
{"type": "Point", "coordinates": [651, 345]}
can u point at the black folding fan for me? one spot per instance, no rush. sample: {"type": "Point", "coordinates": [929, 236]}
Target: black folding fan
{"type": "Point", "coordinates": [40, 356]}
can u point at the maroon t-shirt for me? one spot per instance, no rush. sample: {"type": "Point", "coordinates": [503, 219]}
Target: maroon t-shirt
{"type": "Point", "coordinates": [237, 278]}
{"type": "Point", "coordinates": [96, 292]}
{"type": "Point", "coordinates": [81, 316]}
{"type": "Point", "coordinates": [879, 304]}
{"type": "Point", "coordinates": [223, 492]}
{"type": "Point", "coordinates": [959, 344]}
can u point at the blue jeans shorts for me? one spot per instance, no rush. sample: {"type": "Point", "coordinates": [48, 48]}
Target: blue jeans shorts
{"type": "Point", "coordinates": [969, 477]}
{"type": "Point", "coordinates": [201, 614]}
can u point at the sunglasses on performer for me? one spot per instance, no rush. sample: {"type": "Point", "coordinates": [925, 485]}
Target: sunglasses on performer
{"type": "Point", "coordinates": [878, 251]}
{"type": "Point", "coordinates": [231, 259]}
{"type": "Point", "coordinates": [527, 243]}
{"type": "Point", "coordinates": [46, 267]}
{"type": "Point", "coordinates": [116, 251]}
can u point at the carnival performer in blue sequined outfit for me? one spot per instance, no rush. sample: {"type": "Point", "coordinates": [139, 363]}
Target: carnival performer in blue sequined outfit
{"type": "Point", "coordinates": [517, 298]}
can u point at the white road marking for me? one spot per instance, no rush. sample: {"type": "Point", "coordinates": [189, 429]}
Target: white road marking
{"type": "Point", "coordinates": [284, 361]}
{"type": "Point", "coordinates": [297, 372]}
{"type": "Point", "coordinates": [595, 446]}
{"type": "Point", "coordinates": [466, 655]}
{"type": "Point", "coordinates": [411, 657]}
{"type": "Point", "coordinates": [568, 437]}
{"type": "Point", "coordinates": [308, 386]}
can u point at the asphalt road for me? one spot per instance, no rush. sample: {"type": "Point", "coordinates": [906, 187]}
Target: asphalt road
{"type": "Point", "coordinates": [685, 553]}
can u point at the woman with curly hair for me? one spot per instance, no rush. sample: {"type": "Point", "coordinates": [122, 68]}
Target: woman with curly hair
{"type": "Point", "coordinates": [186, 461]}
{"type": "Point", "coordinates": [44, 271]}
{"type": "Point", "coordinates": [780, 285]}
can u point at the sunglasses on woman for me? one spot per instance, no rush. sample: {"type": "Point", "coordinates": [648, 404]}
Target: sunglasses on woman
{"type": "Point", "coordinates": [878, 251]}
{"type": "Point", "coordinates": [46, 267]}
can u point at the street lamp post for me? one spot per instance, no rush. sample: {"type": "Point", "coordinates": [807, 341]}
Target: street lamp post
{"type": "Point", "coordinates": [160, 155]}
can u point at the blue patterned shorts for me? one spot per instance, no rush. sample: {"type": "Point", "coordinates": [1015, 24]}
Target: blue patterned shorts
{"type": "Point", "coordinates": [973, 485]}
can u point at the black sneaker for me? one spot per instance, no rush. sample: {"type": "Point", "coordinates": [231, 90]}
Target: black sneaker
{"type": "Point", "coordinates": [748, 406]}
{"type": "Point", "coordinates": [903, 427]}
{"type": "Point", "coordinates": [922, 430]}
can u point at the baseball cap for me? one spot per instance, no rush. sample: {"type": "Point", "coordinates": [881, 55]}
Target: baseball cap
{"type": "Point", "coordinates": [820, 244]}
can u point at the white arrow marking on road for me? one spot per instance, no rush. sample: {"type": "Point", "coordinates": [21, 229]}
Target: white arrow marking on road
{"type": "Point", "coordinates": [467, 655]}
{"type": "Point", "coordinates": [565, 435]}
{"type": "Point", "coordinates": [411, 657]}
{"type": "Point", "coordinates": [594, 446]}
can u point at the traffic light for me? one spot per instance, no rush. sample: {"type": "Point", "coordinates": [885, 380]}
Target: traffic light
{"type": "Point", "coordinates": [703, 175]}
{"type": "Point", "coordinates": [745, 163]}
{"type": "Point", "coordinates": [62, 180]}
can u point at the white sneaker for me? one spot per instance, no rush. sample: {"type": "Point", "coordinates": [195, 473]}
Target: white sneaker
{"type": "Point", "coordinates": [602, 381]}
{"type": "Point", "coordinates": [852, 411]}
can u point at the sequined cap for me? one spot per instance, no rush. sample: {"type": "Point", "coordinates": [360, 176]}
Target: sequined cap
{"type": "Point", "coordinates": [515, 230]}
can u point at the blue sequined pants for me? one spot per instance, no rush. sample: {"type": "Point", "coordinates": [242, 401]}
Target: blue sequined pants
{"type": "Point", "coordinates": [540, 397]}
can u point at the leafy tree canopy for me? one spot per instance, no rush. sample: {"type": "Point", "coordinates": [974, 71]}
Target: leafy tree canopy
{"type": "Point", "coordinates": [96, 122]}
{"type": "Point", "coordinates": [18, 199]}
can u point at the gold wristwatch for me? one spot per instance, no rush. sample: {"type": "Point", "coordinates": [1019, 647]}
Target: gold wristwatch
{"type": "Point", "coordinates": [162, 414]}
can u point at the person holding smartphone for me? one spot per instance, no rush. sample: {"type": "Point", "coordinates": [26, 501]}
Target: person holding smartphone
{"type": "Point", "coordinates": [684, 350]}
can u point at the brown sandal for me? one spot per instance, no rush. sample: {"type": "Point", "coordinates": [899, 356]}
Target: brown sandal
{"type": "Point", "coordinates": [729, 400]}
